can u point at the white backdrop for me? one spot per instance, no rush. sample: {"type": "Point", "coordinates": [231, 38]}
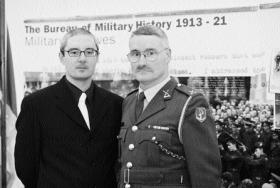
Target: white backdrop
{"type": "Point", "coordinates": [232, 38]}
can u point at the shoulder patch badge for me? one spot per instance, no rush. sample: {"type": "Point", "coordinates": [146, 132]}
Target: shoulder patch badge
{"type": "Point", "coordinates": [200, 114]}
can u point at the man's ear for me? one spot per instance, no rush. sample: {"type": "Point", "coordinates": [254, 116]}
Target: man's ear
{"type": "Point", "coordinates": [168, 54]}
{"type": "Point", "coordinates": [61, 56]}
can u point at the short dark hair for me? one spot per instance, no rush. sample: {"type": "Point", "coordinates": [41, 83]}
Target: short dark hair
{"type": "Point", "coordinates": [227, 176]}
{"type": "Point", "coordinates": [74, 32]}
{"type": "Point", "coordinates": [151, 30]}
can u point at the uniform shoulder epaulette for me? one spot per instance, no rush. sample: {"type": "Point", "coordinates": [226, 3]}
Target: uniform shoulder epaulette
{"type": "Point", "coordinates": [133, 91]}
{"type": "Point", "coordinates": [186, 90]}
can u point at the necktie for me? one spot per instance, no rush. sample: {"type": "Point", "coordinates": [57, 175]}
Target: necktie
{"type": "Point", "coordinates": [139, 105]}
{"type": "Point", "coordinates": [83, 108]}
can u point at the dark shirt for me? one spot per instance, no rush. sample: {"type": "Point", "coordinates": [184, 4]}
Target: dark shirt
{"type": "Point", "coordinates": [89, 100]}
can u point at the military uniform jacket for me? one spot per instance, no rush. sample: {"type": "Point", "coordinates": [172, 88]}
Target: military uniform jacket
{"type": "Point", "coordinates": [151, 153]}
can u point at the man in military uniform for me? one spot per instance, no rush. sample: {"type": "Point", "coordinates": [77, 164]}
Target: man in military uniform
{"type": "Point", "coordinates": [168, 135]}
{"type": "Point", "coordinates": [257, 164]}
{"type": "Point", "coordinates": [248, 135]}
{"type": "Point", "coordinates": [265, 136]}
{"type": "Point", "coordinates": [233, 160]}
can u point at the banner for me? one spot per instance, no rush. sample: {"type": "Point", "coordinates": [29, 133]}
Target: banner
{"type": "Point", "coordinates": [234, 41]}
{"type": "Point", "coordinates": [218, 42]}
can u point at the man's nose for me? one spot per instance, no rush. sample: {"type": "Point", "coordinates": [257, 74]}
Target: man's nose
{"type": "Point", "coordinates": [142, 60]}
{"type": "Point", "coordinates": [82, 56]}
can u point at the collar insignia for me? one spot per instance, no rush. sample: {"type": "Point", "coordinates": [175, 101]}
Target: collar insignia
{"type": "Point", "coordinates": [166, 94]}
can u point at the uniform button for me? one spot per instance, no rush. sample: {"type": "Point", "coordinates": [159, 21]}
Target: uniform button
{"type": "Point", "coordinates": [129, 164]}
{"type": "Point", "coordinates": [131, 146]}
{"type": "Point", "coordinates": [134, 128]}
{"type": "Point", "coordinates": [154, 138]}
{"type": "Point", "coordinates": [127, 185]}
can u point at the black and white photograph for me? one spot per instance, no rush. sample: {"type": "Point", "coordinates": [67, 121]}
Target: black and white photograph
{"type": "Point", "coordinates": [140, 94]}
{"type": "Point", "coordinates": [275, 74]}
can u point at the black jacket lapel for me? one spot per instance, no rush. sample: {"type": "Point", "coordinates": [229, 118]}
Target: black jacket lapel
{"type": "Point", "coordinates": [98, 108]}
{"type": "Point", "coordinates": [67, 103]}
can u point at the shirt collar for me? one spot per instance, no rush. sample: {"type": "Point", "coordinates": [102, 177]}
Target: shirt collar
{"type": "Point", "coordinates": [151, 92]}
{"type": "Point", "coordinates": [77, 92]}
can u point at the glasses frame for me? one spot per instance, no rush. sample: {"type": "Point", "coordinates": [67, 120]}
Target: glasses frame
{"type": "Point", "coordinates": [97, 52]}
{"type": "Point", "coordinates": [145, 55]}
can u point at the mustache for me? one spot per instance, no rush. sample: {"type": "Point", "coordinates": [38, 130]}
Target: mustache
{"type": "Point", "coordinates": [142, 67]}
{"type": "Point", "coordinates": [82, 67]}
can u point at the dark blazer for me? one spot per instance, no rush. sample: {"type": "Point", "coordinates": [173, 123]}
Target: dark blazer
{"type": "Point", "coordinates": [152, 155]}
{"type": "Point", "coordinates": [55, 149]}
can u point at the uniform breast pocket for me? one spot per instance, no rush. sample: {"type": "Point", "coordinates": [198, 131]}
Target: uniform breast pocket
{"type": "Point", "coordinates": [150, 144]}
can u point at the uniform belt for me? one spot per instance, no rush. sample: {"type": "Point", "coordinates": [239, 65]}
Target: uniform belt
{"type": "Point", "coordinates": [155, 178]}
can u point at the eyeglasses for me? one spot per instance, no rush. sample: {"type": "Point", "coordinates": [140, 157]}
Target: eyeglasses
{"type": "Point", "coordinates": [149, 54]}
{"type": "Point", "coordinates": [87, 52]}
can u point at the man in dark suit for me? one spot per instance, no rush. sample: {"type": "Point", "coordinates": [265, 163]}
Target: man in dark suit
{"type": "Point", "coordinates": [65, 140]}
{"type": "Point", "coordinates": [170, 141]}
